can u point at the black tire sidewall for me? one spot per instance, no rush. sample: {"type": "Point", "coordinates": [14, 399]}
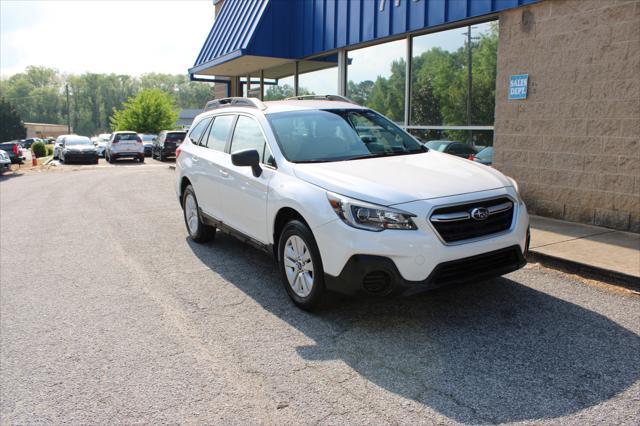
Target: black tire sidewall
{"type": "Point", "coordinates": [300, 229]}
{"type": "Point", "coordinates": [205, 233]}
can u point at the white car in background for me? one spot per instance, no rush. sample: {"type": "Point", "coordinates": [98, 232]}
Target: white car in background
{"type": "Point", "coordinates": [5, 161]}
{"type": "Point", "coordinates": [345, 199]}
{"type": "Point", "coordinates": [103, 139]}
{"type": "Point", "coordinates": [147, 141]}
{"type": "Point", "coordinates": [57, 145]}
{"type": "Point", "coordinates": [124, 144]}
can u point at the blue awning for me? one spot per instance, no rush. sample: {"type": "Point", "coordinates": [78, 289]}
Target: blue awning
{"type": "Point", "coordinates": [253, 35]}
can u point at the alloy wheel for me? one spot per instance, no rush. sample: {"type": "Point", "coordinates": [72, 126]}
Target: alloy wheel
{"type": "Point", "coordinates": [298, 266]}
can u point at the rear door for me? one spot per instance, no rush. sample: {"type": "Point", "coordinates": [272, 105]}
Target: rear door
{"type": "Point", "coordinates": [244, 195]}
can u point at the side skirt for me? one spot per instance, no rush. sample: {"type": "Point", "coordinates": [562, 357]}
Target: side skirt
{"type": "Point", "coordinates": [223, 227]}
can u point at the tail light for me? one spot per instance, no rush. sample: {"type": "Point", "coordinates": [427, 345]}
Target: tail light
{"type": "Point", "coordinates": [15, 148]}
{"type": "Point", "coordinates": [178, 151]}
{"type": "Point", "coordinates": [138, 140]}
{"type": "Point", "coordinates": [472, 157]}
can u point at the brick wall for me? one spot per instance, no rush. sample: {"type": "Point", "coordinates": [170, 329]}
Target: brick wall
{"type": "Point", "coordinates": [574, 144]}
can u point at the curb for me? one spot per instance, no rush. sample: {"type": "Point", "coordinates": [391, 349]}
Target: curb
{"type": "Point", "coordinates": [608, 276]}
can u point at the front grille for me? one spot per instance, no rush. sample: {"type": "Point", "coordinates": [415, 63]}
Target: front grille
{"type": "Point", "coordinates": [455, 223]}
{"type": "Point", "coordinates": [477, 268]}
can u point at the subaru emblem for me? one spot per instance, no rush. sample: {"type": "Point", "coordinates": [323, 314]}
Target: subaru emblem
{"type": "Point", "coordinates": [479, 213]}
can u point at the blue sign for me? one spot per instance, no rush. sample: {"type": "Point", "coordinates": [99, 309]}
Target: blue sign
{"type": "Point", "coordinates": [518, 86]}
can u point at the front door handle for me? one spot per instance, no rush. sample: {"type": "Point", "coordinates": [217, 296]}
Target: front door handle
{"type": "Point", "coordinates": [223, 173]}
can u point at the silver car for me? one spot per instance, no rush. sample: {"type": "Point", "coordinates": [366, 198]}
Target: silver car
{"type": "Point", "coordinates": [124, 144]}
{"type": "Point", "coordinates": [5, 161]}
{"type": "Point", "coordinates": [103, 140]}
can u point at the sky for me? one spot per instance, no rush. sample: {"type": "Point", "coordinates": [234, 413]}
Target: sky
{"type": "Point", "coordinates": [123, 37]}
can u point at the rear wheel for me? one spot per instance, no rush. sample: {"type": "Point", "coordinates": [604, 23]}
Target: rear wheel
{"type": "Point", "coordinates": [160, 156]}
{"type": "Point", "coordinates": [198, 231]}
{"type": "Point", "coordinates": [300, 265]}
{"type": "Point", "coordinates": [141, 159]}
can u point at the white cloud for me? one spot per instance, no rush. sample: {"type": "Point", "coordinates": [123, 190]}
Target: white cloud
{"type": "Point", "coordinates": [132, 37]}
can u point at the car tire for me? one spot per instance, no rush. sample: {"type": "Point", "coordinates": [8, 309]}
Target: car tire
{"type": "Point", "coordinates": [300, 265]}
{"type": "Point", "coordinates": [141, 159]}
{"type": "Point", "coordinates": [160, 156]}
{"type": "Point", "coordinates": [198, 231]}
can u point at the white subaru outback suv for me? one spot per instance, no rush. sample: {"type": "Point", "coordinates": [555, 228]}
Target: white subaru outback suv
{"type": "Point", "coordinates": [345, 199]}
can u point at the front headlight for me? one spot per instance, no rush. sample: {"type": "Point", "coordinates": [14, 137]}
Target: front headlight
{"type": "Point", "coordinates": [516, 187]}
{"type": "Point", "coordinates": [371, 217]}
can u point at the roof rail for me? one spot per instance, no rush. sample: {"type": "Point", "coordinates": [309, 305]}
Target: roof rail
{"type": "Point", "coordinates": [320, 98]}
{"type": "Point", "coordinates": [227, 102]}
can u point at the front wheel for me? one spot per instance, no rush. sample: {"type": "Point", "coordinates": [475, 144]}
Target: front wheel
{"type": "Point", "coordinates": [300, 265]}
{"type": "Point", "coordinates": [198, 231]}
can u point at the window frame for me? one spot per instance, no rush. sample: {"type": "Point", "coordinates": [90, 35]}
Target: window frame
{"type": "Point", "coordinates": [273, 166]}
{"type": "Point", "coordinates": [214, 117]}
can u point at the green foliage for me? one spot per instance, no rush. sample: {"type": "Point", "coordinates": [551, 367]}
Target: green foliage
{"type": "Point", "coordinates": [39, 95]}
{"type": "Point", "coordinates": [49, 149]}
{"type": "Point", "coordinates": [274, 93]}
{"type": "Point", "coordinates": [439, 87]}
{"type": "Point", "coordinates": [11, 125]}
{"type": "Point", "coordinates": [150, 111]}
{"type": "Point", "coordinates": [39, 149]}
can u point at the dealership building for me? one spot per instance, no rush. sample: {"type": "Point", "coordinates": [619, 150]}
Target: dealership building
{"type": "Point", "coordinates": [552, 85]}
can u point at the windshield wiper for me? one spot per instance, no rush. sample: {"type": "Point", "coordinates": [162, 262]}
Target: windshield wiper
{"type": "Point", "coordinates": [382, 154]}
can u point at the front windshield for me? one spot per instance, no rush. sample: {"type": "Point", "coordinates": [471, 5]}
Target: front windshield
{"type": "Point", "coordinates": [79, 141]}
{"type": "Point", "coordinates": [438, 145]}
{"type": "Point", "coordinates": [338, 135]}
{"type": "Point", "coordinates": [485, 154]}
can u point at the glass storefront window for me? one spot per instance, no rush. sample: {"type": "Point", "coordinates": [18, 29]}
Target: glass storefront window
{"type": "Point", "coordinates": [318, 76]}
{"type": "Point", "coordinates": [376, 78]}
{"type": "Point", "coordinates": [440, 94]}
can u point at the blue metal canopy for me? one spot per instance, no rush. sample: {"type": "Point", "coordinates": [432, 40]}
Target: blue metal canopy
{"type": "Point", "coordinates": [249, 35]}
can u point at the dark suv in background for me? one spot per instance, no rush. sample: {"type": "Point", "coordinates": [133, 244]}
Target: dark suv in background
{"type": "Point", "coordinates": [166, 143]}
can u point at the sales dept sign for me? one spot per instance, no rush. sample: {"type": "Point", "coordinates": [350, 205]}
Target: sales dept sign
{"type": "Point", "coordinates": [518, 86]}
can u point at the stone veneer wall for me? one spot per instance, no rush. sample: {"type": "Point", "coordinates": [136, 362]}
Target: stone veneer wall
{"type": "Point", "coordinates": [574, 144]}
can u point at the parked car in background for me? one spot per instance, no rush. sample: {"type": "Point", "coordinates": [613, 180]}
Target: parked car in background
{"type": "Point", "coordinates": [49, 141]}
{"type": "Point", "coordinates": [103, 140]}
{"type": "Point", "coordinates": [345, 199]}
{"type": "Point", "coordinates": [14, 151]}
{"type": "Point", "coordinates": [5, 161]}
{"type": "Point", "coordinates": [458, 149]}
{"type": "Point", "coordinates": [147, 141]}
{"type": "Point", "coordinates": [26, 143]}
{"type": "Point", "coordinates": [166, 143]}
{"type": "Point", "coordinates": [485, 156]}
{"type": "Point", "coordinates": [56, 145]}
{"type": "Point", "coordinates": [124, 144]}
{"type": "Point", "coordinates": [79, 149]}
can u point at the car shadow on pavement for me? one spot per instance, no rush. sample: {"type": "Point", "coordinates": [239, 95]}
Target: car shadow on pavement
{"type": "Point", "coordinates": [495, 352]}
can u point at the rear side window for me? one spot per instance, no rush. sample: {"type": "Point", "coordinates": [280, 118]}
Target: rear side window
{"type": "Point", "coordinates": [247, 135]}
{"type": "Point", "coordinates": [196, 131]}
{"type": "Point", "coordinates": [175, 137]}
{"type": "Point", "coordinates": [219, 132]}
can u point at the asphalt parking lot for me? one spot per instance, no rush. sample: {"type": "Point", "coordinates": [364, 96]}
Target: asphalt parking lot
{"type": "Point", "coordinates": [109, 314]}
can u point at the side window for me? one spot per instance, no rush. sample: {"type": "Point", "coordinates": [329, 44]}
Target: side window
{"type": "Point", "coordinates": [196, 131]}
{"type": "Point", "coordinates": [247, 135]}
{"type": "Point", "coordinates": [219, 132]}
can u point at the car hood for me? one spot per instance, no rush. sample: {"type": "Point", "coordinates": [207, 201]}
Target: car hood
{"type": "Point", "coordinates": [401, 179]}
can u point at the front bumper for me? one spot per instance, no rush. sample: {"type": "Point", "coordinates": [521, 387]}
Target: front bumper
{"type": "Point", "coordinates": [74, 156]}
{"type": "Point", "coordinates": [411, 257]}
{"type": "Point", "coordinates": [379, 276]}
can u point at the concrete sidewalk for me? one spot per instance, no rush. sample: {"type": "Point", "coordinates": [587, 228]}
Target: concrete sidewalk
{"type": "Point", "coordinates": [602, 251]}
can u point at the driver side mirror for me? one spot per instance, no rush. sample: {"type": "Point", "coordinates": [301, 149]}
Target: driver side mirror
{"type": "Point", "coordinates": [247, 157]}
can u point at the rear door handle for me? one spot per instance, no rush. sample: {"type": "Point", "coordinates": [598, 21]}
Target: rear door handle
{"type": "Point", "coordinates": [223, 173]}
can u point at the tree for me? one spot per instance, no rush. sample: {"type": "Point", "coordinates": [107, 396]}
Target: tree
{"type": "Point", "coordinates": [10, 123]}
{"type": "Point", "coordinates": [150, 111]}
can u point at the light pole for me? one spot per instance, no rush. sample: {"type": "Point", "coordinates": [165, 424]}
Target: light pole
{"type": "Point", "coordinates": [469, 76]}
{"type": "Point", "coordinates": [66, 89]}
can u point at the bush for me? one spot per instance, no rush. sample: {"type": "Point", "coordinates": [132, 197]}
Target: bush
{"type": "Point", "coordinates": [49, 149]}
{"type": "Point", "coordinates": [39, 149]}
